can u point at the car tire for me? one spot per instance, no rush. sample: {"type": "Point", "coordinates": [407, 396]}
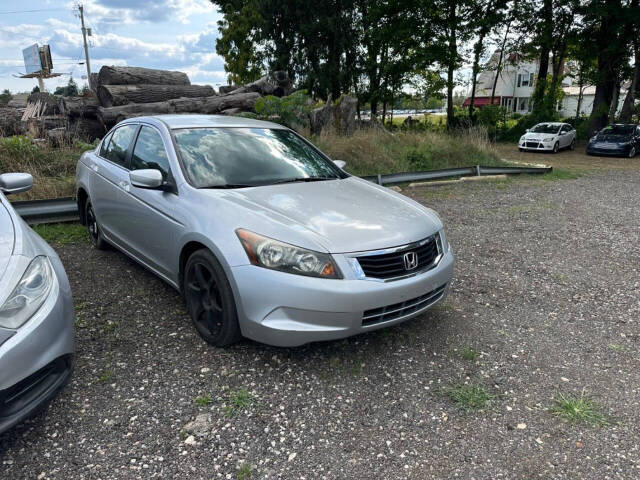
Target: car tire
{"type": "Point", "coordinates": [521, 149]}
{"type": "Point", "coordinates": [210, 300]}
{"type": "Point", "coordinates": [573, 144]}
{"type": "Point", "coordinates": [93, 228]}
{"type": "Point", "coordinates": [632, 152]}
{"type": "Point", "coordinates": [556, 147]}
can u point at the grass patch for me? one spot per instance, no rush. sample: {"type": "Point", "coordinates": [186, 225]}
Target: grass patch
{"type": "Point", "coordinates": [62, 233]}
{"type": "Point", "coordinates": [244, 471]}
{"type": "Point", "coordinates": [468, 354]}
{"type": "Point", "coordinates": [372, 151]}
{"type": "Point", "coordinates": [53, 169]}
{"type": "Point", "coordinates": [203, 401]}
{"type": "Point", "coordinates": [469, 397]}
{"type": "Point", "coordinates": [560, 174]}
{"type": "Point", "coordinates": [578, 408]}
{"type": "Point", "coordinates": [238, 401]}
{"type": "Point", "coordinates": [616, 347]}
{"type": "Point", "coordinates": [105, 376]}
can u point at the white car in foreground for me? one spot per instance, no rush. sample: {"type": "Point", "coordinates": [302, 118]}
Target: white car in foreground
{"type": "Point", "coordinates": [551, 136]}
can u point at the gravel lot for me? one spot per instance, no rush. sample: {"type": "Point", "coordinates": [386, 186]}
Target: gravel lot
{"type": "Point", "coordinates": [546, 291]}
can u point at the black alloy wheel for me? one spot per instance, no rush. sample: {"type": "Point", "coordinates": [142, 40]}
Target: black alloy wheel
{"type": "Point", "coordinates": [95, 235]}
{"type": "Point", "coordinates": [210, 300]}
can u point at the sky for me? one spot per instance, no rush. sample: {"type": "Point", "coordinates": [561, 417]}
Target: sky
{"type": "Point", "coordinates": [167, 34]}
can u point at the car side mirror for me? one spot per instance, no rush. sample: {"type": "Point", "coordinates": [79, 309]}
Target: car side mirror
{"type": "Point", "coordinates": [15, 182]}
{"type": "Point", "coordinates": [340, 163]}
{"type": "Point", "coordinates": [146, 178]}
{"type": "Point", "coordinates": [563, 133]}
{"type": "Point", "coordinates": [527, 130]}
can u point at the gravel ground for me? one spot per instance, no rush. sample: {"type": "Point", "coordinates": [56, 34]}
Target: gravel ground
{"type": "Point", "coordinates": [546, 290]}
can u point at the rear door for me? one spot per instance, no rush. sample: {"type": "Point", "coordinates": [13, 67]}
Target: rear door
{"type": "Point", "coordinates": [149, 227]}
{"type": "Point", "coordinates": [109, 178]}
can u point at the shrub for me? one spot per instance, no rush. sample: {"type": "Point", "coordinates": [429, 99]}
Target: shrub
{"type": "Point", "coordinates": [18, 146]}
{"type": "Point", "coordinates": [292, 111]}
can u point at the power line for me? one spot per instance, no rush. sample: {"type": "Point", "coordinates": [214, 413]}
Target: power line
{"type": "Point", "coordinates": [33, 11]}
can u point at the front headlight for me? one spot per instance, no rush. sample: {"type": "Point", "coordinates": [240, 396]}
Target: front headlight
{"type": "Point", "coordinates": [548, 139]}
{"type": "Point", "coordinates": [275, 255]}
{"type": "Point", "coordinates": [442, 242]}
{"type": "Point", "coordinates": [522, 139]}
{"type": "Point", "coordinates": [28, 295]}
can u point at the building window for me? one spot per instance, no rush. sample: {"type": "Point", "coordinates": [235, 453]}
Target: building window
{"type": "Point", "coordinates": [524, 104]}
{"type": "Point", "coordinates": [525, 80]}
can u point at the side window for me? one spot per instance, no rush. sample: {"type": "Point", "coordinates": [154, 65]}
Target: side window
{"type": "Point", "coordinates": [104, 145]}
{"type": "Point", "coordinates": [566, 128]}
{"type": "Point", "coordinates": [149, 152]}
{"type": "Point", "coordinates": [119, 144]}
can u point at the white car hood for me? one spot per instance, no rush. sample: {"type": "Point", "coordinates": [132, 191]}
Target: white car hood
{"type": "Point", "coordinates": [538, 137]}
{"type": "Point", "coordinates": [345, 215]}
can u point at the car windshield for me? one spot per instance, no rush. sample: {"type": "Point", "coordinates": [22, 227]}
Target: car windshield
{"type": "Point", "coordinates": [545, 128]}
{"type": "Point", "coordinates": [618, 130]}
{"type": "Point", "coordinates": [246, 157]}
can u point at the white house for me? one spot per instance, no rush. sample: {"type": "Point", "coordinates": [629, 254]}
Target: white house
{"type": "Point", "coordinates": [516, 83]}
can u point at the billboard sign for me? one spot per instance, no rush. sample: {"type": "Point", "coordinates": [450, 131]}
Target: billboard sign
{"type": "Point", "coordinates": [32, 59]}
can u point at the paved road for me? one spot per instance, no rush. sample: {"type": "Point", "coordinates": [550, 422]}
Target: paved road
{"type": "Point", "coordinates": [546, 291]}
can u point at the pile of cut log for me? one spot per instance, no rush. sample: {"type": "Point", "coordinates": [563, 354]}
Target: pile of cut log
{"type": "Point", "coordinates": [125, 92]}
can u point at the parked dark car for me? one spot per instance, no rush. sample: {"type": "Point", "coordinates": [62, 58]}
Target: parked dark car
{"type": "Point", "coordinates": [618, 139]}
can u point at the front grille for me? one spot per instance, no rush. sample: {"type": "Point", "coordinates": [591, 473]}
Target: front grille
{"type": "Point", "coordinates": [399, 310]}
{"type": "Point", "coordinates": [533, 144]}
{"type": "Point", "coordinates": [390, 265]}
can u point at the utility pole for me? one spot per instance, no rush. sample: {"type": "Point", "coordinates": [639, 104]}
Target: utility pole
{"type": "Point", "coordinates": [86, 47]}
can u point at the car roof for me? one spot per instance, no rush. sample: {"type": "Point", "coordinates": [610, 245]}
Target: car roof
{"type": "Point", "coordinates": [200, 121]}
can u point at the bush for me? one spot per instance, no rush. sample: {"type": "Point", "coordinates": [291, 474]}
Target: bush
{"type": "Point", "coordinates": [18, 146]}
{"type": "Point", "coordinates": [292, 111]}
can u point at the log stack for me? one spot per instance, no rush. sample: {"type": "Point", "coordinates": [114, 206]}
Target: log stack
{"type": "Point", "coordinates": [125, 92]}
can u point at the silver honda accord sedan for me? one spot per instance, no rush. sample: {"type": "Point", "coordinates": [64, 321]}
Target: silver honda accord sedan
{"type": "Point", "coordinates": [36, 314]}
{"type": "Point", "coordinates": [262, 233]}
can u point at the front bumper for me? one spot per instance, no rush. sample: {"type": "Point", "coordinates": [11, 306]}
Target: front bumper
{"type": "Point", "coordinates": [35, 360]}
{"type": "Point", "coordinates": [536, 146]}
{"type": "Point", "coordinates": [289, 310]}
{"type": "Point", "coordinates": [613, 152]}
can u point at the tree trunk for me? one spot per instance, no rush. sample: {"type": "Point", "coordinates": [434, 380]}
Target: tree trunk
{"type": "Point", "coordinates": [279, 87]}
{"type": "Point", "coordinates": [452, 57]}
{"type": "Point", "coordinates": [112, 75]}
{"type": "Point", "coordinates": [614, 102]}
{"type": "Point", "coordinates": [580, 90]}
{"type": "Point", "coordinates": [499, 66]}
{"type": "Point", "coordinates": [601, 104]}
{"type": "Point", "coordinates": [545, 48]}
{"type": "Point", "coordinates": [207, 105]}
{"type": "Point", "coordinates": [629, 101]}
{"type": "Point", "coordinates": [477, 51]}
{"type": "Point", "coordinates": [115, 95]}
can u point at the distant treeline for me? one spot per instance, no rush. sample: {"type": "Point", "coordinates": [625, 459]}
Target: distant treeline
{"type": "Point", "coordinates": [374, 48]}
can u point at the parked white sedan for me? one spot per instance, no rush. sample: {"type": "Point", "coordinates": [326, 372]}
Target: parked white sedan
{"type": "Point", "coordinates": [551, 136]}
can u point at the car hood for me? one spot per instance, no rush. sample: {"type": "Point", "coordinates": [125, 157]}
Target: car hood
{"type": "Point", "coordinates": [613, 138]}
{"type": "Point", "coordinates": [538, 136]}
{"type": "Point", "coordinates": [342, 216]}
{"type": "Point", "coordinates": [7, 238]}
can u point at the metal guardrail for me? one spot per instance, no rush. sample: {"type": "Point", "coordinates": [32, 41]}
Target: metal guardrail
{"type": "Point", "coordinates": [66, 209]}
{"type": "Point", "coordinates": [47, 211]}
{"type": "Point", "coordinates": [478, 170]}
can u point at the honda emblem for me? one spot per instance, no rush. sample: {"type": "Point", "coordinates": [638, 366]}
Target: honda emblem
{"type": "Point", "coordinates": [410, 260]}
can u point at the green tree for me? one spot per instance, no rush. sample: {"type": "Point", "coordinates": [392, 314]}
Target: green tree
{"type": "Point", "coordinates": [70, 90]}
{"type": "Point", "coordinates": [5, 97]}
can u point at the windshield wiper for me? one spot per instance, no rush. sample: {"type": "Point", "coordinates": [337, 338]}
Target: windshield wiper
{"type": "Point", "coordinates": [230, 185]}
{"type": "Point", "coordinates": [303, 179]}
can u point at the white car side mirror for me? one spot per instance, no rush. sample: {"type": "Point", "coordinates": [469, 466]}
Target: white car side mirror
{"type": "Point", "coordinates": [15, 182]}
{"type": "Point", "coordinates": [146, 178]}
{"type": "Point", "coordinates": [340, 163]}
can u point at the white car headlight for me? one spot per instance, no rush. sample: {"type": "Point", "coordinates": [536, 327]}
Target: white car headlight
{"type": "Point", "coordinates": [28, 295]}
{"type": "Point", "coordinates": [522, 139]}
{"type": "Point", "coordinates": [275, 255]}
{"type": "Point", "coordinates": [548, 139]}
